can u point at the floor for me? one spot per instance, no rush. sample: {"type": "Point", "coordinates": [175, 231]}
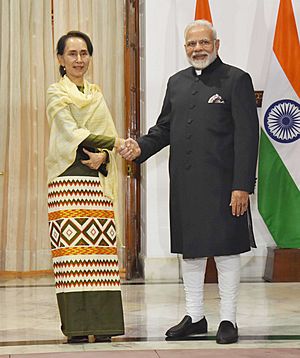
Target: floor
{"type": "Point", "coordinates": [268, 319]}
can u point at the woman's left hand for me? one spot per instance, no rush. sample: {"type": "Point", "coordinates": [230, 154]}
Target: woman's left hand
{"type": "Point", "coordinates": [96, 159]}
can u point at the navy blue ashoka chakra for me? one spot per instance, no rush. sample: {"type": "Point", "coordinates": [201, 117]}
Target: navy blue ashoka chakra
{"type": "Point", "coordinates": [282, 121]}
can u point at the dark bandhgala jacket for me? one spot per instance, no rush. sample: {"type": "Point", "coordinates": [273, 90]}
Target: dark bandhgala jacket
{"type": "Point", "coordinates": [211, 124]}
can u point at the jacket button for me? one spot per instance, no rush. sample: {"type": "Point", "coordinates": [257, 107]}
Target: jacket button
{"type": "Point", "coordinates": [194, 92]}
{"type": "Point", "coordinates": [192, 106]}
{"type": "Point", "coordinates": [188, 136]}
{"type": "Point", "coordinates": [188, 166]}
{"type": "Point", "coordinates": [190, 120]}
{"type": "Point", "coordinates": [189, 151]}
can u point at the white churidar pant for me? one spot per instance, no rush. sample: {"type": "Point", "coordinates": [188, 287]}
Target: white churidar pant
{"type": "Point", "coordinates": [193, 272]}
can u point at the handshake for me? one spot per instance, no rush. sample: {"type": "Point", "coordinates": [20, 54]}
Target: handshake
{"type": "Point", "coordinates": [128, 148]}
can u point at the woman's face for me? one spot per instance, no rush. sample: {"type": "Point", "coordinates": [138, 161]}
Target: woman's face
{"type": "Point", "coordinates": [75, 59]}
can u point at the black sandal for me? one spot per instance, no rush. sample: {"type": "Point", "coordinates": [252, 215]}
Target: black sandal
{"type": "Point", "coordinates": [99, 339]}
{"type": "Point", "coordinates": [78, 339]}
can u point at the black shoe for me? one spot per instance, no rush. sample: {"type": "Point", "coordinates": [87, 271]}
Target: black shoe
{"type": "Point", "coordinates": [78, 339]}
{"type": "Point", "coordinates": [227, 333]}
{"type": "Point", "coordinates": [102, 339]}
{"type": "Point", "coordinates": [186, 327]}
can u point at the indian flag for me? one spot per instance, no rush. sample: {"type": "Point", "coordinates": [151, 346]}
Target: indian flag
{"type": "Point", "coordinates": [279, 154]}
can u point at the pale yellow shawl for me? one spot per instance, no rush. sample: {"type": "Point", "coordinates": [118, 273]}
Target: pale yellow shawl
{"type": "Point", "coordinates": [72, 117]}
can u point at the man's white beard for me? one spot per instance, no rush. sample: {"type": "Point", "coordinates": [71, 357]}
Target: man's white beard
{"type": "Point", "coordinates": [201, 64]}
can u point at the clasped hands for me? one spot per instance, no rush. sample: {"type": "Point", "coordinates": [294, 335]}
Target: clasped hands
{"type": "Point", "coordinates": [127, 148]}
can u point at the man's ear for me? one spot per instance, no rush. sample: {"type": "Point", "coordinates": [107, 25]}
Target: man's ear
{"type": "Point", "coordinates": [217, 44]}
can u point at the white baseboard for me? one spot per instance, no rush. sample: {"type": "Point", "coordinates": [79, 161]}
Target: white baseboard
{"type": "Point", "coordinates": [168, 268]}
{"type": "Point", "coordinates": [253, 269]}
{"type": "Point", "coordinates": [161, 269]}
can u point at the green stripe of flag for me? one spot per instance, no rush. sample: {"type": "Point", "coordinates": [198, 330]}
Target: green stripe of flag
{"type": "Point", "coordinates": [278, 198]}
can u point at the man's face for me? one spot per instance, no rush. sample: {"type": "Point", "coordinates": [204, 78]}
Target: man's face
{"type": "Point", "coordinates": [200, 47]}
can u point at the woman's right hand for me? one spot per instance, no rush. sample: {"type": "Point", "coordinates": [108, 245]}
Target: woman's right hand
{"type": "Point", "coordinates": [95, 159]}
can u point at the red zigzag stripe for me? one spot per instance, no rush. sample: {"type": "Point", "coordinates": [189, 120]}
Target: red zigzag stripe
{"type": "Point", "coordinates": [76, 263]}
{"type": "Point", "coordinates": [79, 202]}
{"type": "Point", "coordinates": [70, 192]}
{"type": "Point", "coordinates": [86, 283]}
{"type": "Point", "coordinates": [85, 273]}
{"type": "Point", "coordinates": [69, 182]}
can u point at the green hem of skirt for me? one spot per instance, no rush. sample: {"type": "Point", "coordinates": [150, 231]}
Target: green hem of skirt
{"type": "Point", "coordinates": [91, 313]}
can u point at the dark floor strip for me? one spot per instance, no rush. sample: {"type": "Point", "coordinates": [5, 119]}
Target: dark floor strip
{"type": "Point", "coordinates": [129, 283]}
{"type": "Point", "coordinates": [122, 284]}
{"type": "Point", "coordinates": [157, 339]}
{"type": "Point", "coordinates": [242, 338]}
{"type": "Point", "coordinates": [125, 283]}
{"type": "Point", "coordinates": [27, 286]}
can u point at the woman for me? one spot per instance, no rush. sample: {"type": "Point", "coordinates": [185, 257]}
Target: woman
{"type": "Point", "coordinates": [82, 193]}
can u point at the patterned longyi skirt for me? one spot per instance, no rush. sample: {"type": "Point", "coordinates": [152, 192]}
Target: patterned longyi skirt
{"type": "Point", "coordinates": [83, 244]}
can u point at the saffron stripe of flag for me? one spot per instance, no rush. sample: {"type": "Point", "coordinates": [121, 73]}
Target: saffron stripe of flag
{"type": "Point", "coordinates": [202, 10]}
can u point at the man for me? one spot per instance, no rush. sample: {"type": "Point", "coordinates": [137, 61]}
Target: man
{"type": "Point", "coordinates": [209, 119]}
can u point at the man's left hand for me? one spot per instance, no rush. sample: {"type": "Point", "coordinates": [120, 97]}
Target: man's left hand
{"type": "Point", "coordinates": [239, 202]}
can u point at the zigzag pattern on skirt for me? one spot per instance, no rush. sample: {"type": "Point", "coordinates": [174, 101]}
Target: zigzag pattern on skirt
{"type": "Point", "coordinates": [74, 181]}
{"type": "Point", "coordinates": [83, 236]}
{"type": "Point", "coordinates": [79, 202]}
{"type": "Point", "coordinates": [73, 192]}
{"type": "Point", "coordinates": [102, 250]}
{"type": "Point", "coordinates": [80, 213]}
{"type": "Point", "coordinates": [85, 273]}
{"type": "Point", "coordinates": [87, 262]}
{"type": "Point", "coordinates": [88, 283]}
